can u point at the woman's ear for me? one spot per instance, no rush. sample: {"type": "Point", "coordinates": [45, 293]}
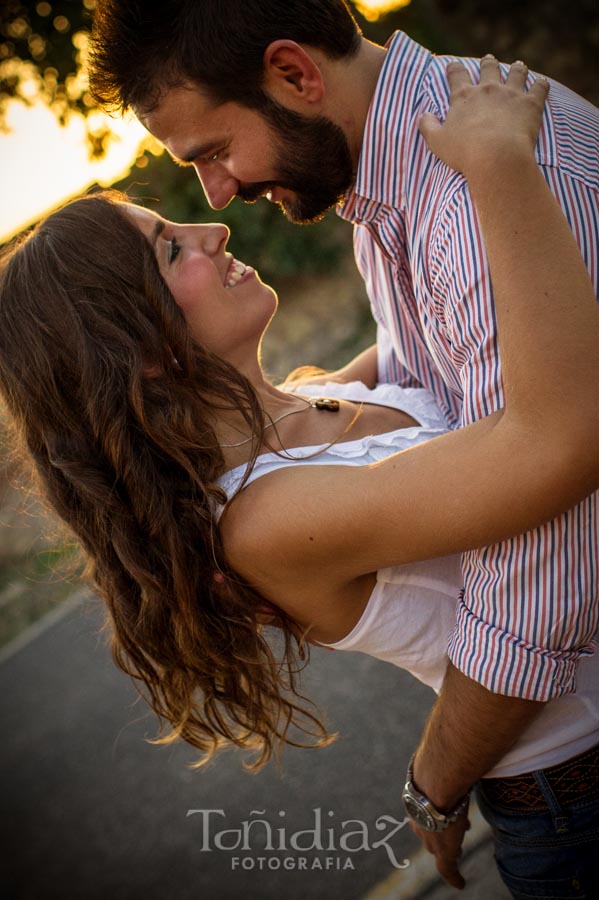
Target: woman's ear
{"type": "Point", "coordinates": [292, 75]}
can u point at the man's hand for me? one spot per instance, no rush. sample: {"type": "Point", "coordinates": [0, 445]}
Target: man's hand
{"type": "Point", "coordinates": [469, 730]}
{"type": "Point", "coordinates": [446, 847]}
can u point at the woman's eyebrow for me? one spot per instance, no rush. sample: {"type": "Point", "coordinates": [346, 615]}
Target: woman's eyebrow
{"type": "Point", "coordinates": [156, 232]}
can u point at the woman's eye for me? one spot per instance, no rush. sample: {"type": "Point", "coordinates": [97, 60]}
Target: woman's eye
{"type": "Point", "coordinates": [174, 248]}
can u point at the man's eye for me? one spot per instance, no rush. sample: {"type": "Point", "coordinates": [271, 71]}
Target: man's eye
{"type": "Point", "coordinates": [174, 248]}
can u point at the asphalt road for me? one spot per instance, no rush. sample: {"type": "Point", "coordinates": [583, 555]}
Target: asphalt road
{"type": "Point", "coordinates": [91, 811]}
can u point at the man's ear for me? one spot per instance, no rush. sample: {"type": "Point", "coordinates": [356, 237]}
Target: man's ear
{"type": "Point", "coordinates": [291, 75]}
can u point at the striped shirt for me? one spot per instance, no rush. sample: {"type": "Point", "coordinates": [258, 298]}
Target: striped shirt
{"type": "Point", "coordinates": [529, 608]}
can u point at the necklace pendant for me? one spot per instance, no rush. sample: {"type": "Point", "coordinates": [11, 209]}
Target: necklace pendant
{"type": "Point", "coordinates": [325, 403]}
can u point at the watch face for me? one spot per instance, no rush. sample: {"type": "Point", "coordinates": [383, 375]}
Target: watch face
{"type": "Point", "coordinates": [418, 813]}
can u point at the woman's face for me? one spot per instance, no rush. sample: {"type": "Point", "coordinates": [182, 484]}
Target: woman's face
{"type": "Point", "coordinates": [225, 304]}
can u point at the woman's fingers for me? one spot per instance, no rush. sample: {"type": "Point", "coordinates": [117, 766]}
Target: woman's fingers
{"type": "Point", "coordinates": [490, 73]}
{"type": "Point", "coordinates": [539, 89]}
{"type": "Point", "coordinates": [457, 76]}
{"type": "Point", "coordinates": [489, 69]}
{"type": "Point", "coordinates": [517, 75]}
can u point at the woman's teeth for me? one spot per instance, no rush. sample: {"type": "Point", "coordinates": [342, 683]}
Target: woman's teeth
{"type": "Point", "coordinates": [235, 273]}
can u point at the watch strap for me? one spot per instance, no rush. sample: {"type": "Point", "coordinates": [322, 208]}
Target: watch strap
{"type": "Point", "coordinates": [440, 820]}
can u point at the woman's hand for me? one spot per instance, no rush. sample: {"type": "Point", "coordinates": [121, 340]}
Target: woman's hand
{"type": "Point", "coordinates": [486, 121]}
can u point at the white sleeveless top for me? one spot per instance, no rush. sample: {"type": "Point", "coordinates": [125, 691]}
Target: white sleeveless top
{"type": "Point", "coordinates": [411, 612]}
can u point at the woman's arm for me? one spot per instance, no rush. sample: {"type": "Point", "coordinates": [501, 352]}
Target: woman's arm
{"type": "Point", "coordinates": [544, 300]}
{"type": "Point", "coordinates": [362, 367]}
{"type": "Point", "coordinates": [498, 477]}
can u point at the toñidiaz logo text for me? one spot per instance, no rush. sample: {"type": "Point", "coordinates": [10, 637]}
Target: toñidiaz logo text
{"type": "Point", "coordinates": [258, 843]}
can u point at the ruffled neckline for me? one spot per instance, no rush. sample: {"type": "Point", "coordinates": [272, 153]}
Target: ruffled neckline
{"type": "Point", "coordinates": [416, 402]}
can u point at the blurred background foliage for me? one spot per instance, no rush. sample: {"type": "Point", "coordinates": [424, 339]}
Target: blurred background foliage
{"type": "Point", "coordinates": [43, 49]}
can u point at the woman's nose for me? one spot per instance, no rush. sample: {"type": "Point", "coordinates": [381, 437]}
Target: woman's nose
{"type": "Point", "coordinates": [213, 237]}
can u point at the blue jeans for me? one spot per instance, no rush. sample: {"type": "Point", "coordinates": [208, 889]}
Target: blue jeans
{"type": "Point", "coordinates": [551, 852]}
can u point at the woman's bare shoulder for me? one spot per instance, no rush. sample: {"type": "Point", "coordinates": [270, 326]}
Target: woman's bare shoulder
{"type": "Point", "coordinates": [271, 542]}
{"type": "Point", "coordinates": [257, 528]}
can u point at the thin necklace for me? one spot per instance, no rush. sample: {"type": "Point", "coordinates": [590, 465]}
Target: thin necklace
{"type": "Point", "coordinates": [326, 404]}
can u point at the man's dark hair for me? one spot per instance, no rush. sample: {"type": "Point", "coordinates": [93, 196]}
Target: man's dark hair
{"type": "Point", "coordinates": [140, 49]}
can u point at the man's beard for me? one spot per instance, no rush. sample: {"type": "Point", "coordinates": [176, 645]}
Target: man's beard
{"type": "Point", "coordinates": [313, 160]}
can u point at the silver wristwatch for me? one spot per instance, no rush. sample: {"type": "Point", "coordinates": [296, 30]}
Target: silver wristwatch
{"type": "Point", "coordinates": [422, 811]}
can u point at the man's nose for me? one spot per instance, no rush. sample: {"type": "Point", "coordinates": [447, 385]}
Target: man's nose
{"type": "Point", "coordinates": [219, 186]}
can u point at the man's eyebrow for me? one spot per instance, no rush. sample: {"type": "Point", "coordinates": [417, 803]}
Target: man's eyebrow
{"type": "Point", "coordinates": [200, 150]}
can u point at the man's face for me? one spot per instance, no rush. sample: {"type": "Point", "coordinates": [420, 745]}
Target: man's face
{"type": "Point", "coordinates": [302, 163]}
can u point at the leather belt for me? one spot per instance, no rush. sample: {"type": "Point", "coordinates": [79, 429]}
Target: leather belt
{"type": "Point", "coordinates": [570, 781]}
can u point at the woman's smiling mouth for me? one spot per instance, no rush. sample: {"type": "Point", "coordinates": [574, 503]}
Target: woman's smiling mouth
{"type": "Point", "coordinates": [236, 272]}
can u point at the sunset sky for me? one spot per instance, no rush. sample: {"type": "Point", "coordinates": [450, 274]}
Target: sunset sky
{"type": "Point", "coordinates": [43, 164]}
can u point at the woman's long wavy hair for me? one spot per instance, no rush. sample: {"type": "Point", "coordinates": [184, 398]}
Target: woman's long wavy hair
{"type": "Point", "coordinates": [129, 460]}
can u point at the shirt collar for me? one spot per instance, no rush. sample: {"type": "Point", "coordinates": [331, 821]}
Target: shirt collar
{"type": "Point", "coordinates": [391, 120]}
